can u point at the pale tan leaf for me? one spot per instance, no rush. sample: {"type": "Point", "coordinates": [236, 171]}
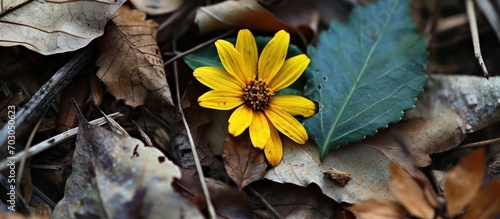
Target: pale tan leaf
{"type": "Point", "coordinates": [240, 14]}
{"type": "Point", "coordinates": [463, 181]}
{"type": "Point", "coordinates": [378, 208]}
{"type": "Point", "coordinates": [486, 204]}
{"type": "Point", "coordinates": [116, 176]}
{"type": "Point", "coordinates": [130, 62]}
{"type": "Point", "coordinates": [409, 193]}
{"type": "Point", "coordinates": [56, 26]}
{"type": "Point", "coordinates": [157, 7]}
{"type": "Point", "coordinates": [367, 161]}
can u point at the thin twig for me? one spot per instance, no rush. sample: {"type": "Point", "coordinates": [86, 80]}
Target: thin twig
{"type": "Point", "coordinates": [480, 143]}
{"type": "Point", "coordinates": [269, 207]}
{"type": "Point", "coordinates": [471, 15]}
{"type": "Point", "coordinates": [26, 149]}
{"type": "Point", "coordinates": [182, 54]}
{"type": "Point", "coordinates": [211, 209]}
{"type": "Point", "coordinates": [44, 145]}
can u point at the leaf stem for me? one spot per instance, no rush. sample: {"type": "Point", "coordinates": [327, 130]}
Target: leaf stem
{"type": "Point", "coordinates": [211, 209]}
{"type": "Point", "coordinates": [471, 15]}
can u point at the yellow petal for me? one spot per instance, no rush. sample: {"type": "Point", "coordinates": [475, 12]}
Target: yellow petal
{"type": "Point", "coordinates": [272, 57]}
{"type": "Point", "coordinates": [259, 130]}
{"type": "Point", "coordinates": [220, 100]}
{"type": "Point", "coordinates": [273, 149]}
{"type": "Point", "coordinates": [286, 124]}
{"type": "Point", "coordinates": [233, 61]}
{"type": "Point", "coordinates": [294, 105]}
{"type": "Point", "coordinates": [217, 79]}
{"type": "Point", "coordinates": [290, 72]}
{"type": "Point", "coordinates": [240, 120]}
{"type": "Point", "coordinates": [245, 44]}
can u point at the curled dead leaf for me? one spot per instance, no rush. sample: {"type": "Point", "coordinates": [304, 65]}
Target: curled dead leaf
{"type": "Point", "coordinates": [241, 14]}
{"type": "Point", "coordinates": [130, 62]}
{"type": "Point", "coordinates": [50, 27]}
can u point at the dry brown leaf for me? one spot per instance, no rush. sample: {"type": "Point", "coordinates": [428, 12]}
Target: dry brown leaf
{"type": "Point", "coordinates": [486, 204]}
{"type": "Point", "coordinates": [378, 208]}
{"type": "Point", "coordinates": [243, 162]}
{"type": "Point", "coordinates": [409, 193]}
{"type": "Point", "coordinates": [367, 161]}
{"type": "Point", "coordinates": [156, 7]}
{"type": "Point", "coordinates": [130, 62]}
{"type": "Point", "coordinates": [116, 176]}
{"type": "Point", "coordinates": [57, 26]}
{"type": "Point", "coordinates": [240, 14]}
{"type": "Point", "coordinates": [463, 182]}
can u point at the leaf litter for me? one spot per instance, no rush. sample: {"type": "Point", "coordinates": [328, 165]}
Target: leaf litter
{"type": "Point", "coordinates": [117, 176]}
{"type": "Point", "coordinates": [388, 175]}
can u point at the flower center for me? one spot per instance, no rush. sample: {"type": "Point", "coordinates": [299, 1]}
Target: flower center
{"type": "Point", "coordinates": [256, 95]}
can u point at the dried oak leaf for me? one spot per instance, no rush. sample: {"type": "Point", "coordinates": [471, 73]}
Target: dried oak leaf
{"type": "Point", "coordinates": [155, 7]}
{"type": "Point", "coordinates": [54, 26]}
{"type": "Point", "coordinates": [116, 176]}
{"type": "Point", "coordinates": [243, 162]}
{"type": "Point", "coordinates": [130, 62]}
{"type": "Point", "coordinates": [241, 14]}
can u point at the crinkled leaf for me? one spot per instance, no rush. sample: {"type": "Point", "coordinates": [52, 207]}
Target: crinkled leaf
{"type": "Point", "coordinates": [50, 27]}
{"type": "Point", "coordinates": [130, 62]}
{"type": "Point", "coordinates": [364, 73]}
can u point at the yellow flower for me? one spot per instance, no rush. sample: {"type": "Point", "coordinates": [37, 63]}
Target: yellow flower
{"type": "Point", "coordinates": [249, 83]}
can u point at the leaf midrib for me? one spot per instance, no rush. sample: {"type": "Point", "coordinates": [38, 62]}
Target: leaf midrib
{"type": "Point", "coordinates": [363, 70]}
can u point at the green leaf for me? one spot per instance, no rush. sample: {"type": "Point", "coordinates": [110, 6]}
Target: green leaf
{"type": "Point", "coordinates": [364, 73]}
{"type": "Point", "coordinates": [208, 57]}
